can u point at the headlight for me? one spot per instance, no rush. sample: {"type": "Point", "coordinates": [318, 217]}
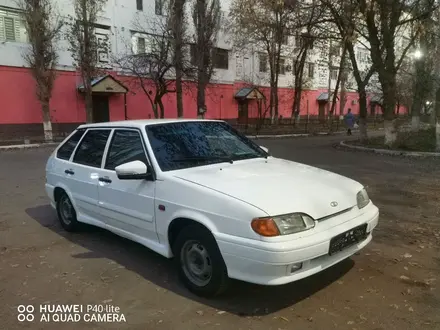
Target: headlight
{"type": "Point", "coordinates": [362, 198]}
{"type": "Point", "coordinates": [282, 224]}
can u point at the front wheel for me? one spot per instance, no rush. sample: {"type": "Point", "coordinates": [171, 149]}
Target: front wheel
{"type": "Point", "coordinates": [200, 264]}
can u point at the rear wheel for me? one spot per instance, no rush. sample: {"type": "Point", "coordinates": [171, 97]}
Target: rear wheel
{"type": "Point", "coordinates": [200, 264]}
{"type": "Point", "coordinates": [66, 213]}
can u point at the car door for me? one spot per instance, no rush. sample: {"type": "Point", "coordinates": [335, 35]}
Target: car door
{"type": "Point", "coordinates": [127, 205]}
{"type": "Point", "coordinates": [59, 165]}
{"type": "Point", "coordinates": [83, 174]}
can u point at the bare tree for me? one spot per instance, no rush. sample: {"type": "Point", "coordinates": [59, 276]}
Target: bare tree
{"type": "Point", "coordinates": [178, 28]}
{"type": "Point", "coordinates": [382, 23]}
{"type": "Point", "coordinates": [84, 45]}
{"type": "Point", "coordinates": [266, 24]}
{"type": "Point", "coordinates": [345, 15]}
{"type": "Point", "coordinates": [152, 61]}
{"type": "Point", "coordinates": [43, 27]}
{"type": "Point", "coordinates": [307, 16]}
{"type": "Point", "coordinates": [436, 53]}
{"type": "Point", "coordinates": [424, 69]}
{"type": "Point", "coordinates": [406, 85]}
{"type": "Point", "coordinates": [206, 19]}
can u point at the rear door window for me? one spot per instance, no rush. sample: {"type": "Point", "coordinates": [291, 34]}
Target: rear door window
{"type": "Point", "coordinates": [91, 149]}
{"type": "Point", "coordinates": [126, 146]}
{"type": "Point", "coordinates": [65, 151]}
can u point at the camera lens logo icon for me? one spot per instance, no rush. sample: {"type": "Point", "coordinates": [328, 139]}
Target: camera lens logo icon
{"type": "Point", "coordinates": [25, 313]}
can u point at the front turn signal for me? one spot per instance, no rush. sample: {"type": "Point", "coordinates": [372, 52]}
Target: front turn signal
{"type": "Point", "coordinates": [265, 227]}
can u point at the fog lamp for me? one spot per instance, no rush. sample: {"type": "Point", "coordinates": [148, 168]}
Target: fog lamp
{"type": "Point", "coordinates": [296, 267]}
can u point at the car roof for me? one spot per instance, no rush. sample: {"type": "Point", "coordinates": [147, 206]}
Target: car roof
{"type": "Point", "coordinates": [144, 122]}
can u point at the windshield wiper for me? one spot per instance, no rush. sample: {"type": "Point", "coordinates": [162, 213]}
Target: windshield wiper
{"type": "Point", "coordinates": [203, 159]}
{"type": "Point", "coordinates": [247, 155]}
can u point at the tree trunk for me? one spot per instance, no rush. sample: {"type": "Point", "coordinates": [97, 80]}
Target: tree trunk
{"type": "Point", "coordinates": [343, 93]}
{"type": "Point", "coordinates": [178, 9]}
{"type": "Point", "coordinates": [389, 105]}
{"type": "Point", "coordinates": [415, 120]}
{"type": "Point", "coordinates": [363, 112]}
{"type": "Point", "coordinates": [272, 101]}
{"type": "Point", "coordinates": [179, 93]}
{"type": "Point", "coordinates": [390, 132]}
{"type": "Point", "coordinates": [89, 105]}
{"type": "Point", "coordinates": [47, 123]}
{"type": "Point", "coordinates": [156, 114]}
{"type": "Point", "coordinates": [437, 134]}
{"type": "Point", "coordinates": [437, 124]}
{"type": "Point", "coordinates": [420, 87]}
{"type": "Point", "coordinates": [161, 108]}
{"type": "Point", "coordinates": [201, 106]}
{"type": "Point", "coordinates": [298, 84]}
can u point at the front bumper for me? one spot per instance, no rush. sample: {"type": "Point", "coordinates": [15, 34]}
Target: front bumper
{"type": "Point", "coordinates": [270, 263]}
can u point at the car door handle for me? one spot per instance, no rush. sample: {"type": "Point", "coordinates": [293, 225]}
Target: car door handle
{"type": "Point", "coordinates": [69, 171]}
{"type": "Point", "coordinates": [105, 179]}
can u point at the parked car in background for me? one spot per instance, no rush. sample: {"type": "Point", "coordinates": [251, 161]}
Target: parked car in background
{"type": "Point", "coordinates": [199, 191]}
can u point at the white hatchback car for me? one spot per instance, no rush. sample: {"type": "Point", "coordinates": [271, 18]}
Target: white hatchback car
{"type": "Point", "coordinates": [204, 193]}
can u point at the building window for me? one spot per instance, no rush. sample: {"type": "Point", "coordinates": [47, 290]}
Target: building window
{"type": "Point", "coordinates": [282, 66]}
{"type": "Point", "coordinates": [159, 7]}
{"type": "Point", "coordinates": [334, 74]}
{"type": "Point", "coordinates": [311, 70]}
{"type": "Point", "coordinates": [362, 56]}
{"type": "Point", "coordinates": [220, 58]}
{"type": "Point", "coordinates": [103, 45]}
{"type": "Point", "coordinates": [140, 4]}
{"type": "Point", "coordinates": [301, 40]}
{"type": "Point", "coordinates": [335, 50]}
{"type": "Point", "coordinates": [140, 49]}
{"type": "Point", "coordinates": [12, 26]}
{"type": "Point", "coordinates": [263, 62]}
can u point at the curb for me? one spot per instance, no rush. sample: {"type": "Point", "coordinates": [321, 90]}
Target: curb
{"type": "Point", "coordinates": [304, 134]}
{"type": "Point", "coordinates": [28, 146]}
{"type": "Point", "coordinates": [391, 152]}
{"type": "Point", "coordinates": [275, 136]}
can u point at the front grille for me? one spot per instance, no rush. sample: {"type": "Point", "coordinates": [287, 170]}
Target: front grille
{"type": "Point", "coordinates": [334, 214]}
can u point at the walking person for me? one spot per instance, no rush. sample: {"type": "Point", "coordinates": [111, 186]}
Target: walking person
{"type": "Point", "coordinates": [349, 121]}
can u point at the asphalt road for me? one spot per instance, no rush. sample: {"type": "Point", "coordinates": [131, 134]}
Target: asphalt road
{"type": "Point", "coordinates": [391, 284]}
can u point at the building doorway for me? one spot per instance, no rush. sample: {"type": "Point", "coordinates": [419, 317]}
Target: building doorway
{"type": "Point", "coordinates": [101, 112]}
{"type": "Point", "coordinates": [243, 96]}
{"type": "Point", "coordinates": [243, 112]}
{"type": "Point", "coordinates": [321, 111]}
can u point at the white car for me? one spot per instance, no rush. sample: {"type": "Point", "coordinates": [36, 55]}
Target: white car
{"type": "Point", "coordinates": [201, 192]}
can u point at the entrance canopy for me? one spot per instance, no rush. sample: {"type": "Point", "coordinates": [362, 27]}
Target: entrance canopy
{"type": "Point", "coordinates": [106, 84]}
{"type": "Point", "coordinates": [249, 93]}
{"type": "Point", "coordinates": [323, 97]}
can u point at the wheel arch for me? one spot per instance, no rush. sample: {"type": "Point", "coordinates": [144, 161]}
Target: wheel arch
{"type": "Point", "coordinates": [58, 190]}
{"type": "Point", "coordinates": [183, 220]}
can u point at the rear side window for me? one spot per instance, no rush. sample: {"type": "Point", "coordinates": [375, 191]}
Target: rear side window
{"type": "Point", "coordinates": [65, 151]}
{"type": "Point", "coordinates": [126, 146]}
{"type": "Point", "coordinates": [91, 148]}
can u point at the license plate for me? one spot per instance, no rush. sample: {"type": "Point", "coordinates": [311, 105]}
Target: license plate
{"type": "Point", "coordinates": [347, 239]}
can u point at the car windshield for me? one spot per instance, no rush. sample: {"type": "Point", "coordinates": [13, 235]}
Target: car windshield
{"type": "Point", "coordinates": [182, 145]}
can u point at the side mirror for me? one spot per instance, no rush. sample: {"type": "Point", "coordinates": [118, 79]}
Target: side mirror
{"type": "Point", "coordinates": [265, 149]}
{"type": "Point", "coordinates": [135, 170]}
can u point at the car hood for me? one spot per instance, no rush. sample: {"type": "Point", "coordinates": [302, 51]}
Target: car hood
{"type": "Point", "coordinates": [279, 186]}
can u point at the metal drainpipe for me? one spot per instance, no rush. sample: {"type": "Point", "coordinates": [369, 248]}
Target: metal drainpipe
{"type": "Point", "coordinates": [125, 106]}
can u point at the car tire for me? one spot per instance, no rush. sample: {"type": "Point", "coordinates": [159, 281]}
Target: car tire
{"type": "Point", "coordinates": [196, 242]}
{"type": "Point", "coordinates": [67, 214]}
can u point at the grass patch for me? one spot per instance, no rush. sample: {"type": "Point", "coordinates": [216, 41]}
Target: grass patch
{"type": "Point", "coordinates": [424, 141]}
